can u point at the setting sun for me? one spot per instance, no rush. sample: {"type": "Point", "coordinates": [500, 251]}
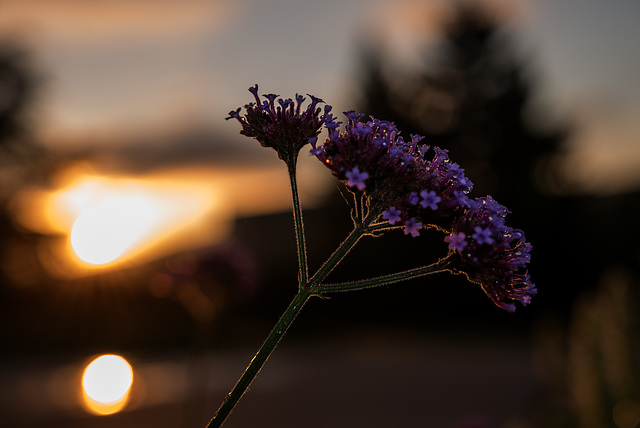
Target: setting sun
{"type": "Point", "coordinates": [118, 221]}
{"type": "Point", "coordinates": [100, 235]}
{"type": "Point", "coordinates": [109, 219]}
{"type": "Point", "coordinates": [103, 221]}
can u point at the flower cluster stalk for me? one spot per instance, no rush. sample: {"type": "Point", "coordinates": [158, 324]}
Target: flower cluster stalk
{"type": "Point", "coordinates": [313, 287]}
{"type": "Point", "coordinates": [260, 358]}
{"type": "Point", "coordinates": [299, 226]}
{"type": "Point", "coordinates": [305, 290]}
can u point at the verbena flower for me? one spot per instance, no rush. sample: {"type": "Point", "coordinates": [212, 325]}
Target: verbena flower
{"type": "Point", "coordinates": [412, 227]}
{"type": "Point", "coordinates": [392, 215]}
{"type": "Point", "coordinates": [405, 179]}
{"type": "Point", "coordinates": [456, 241]}
{"type": "Point", "coordinates": [356, 179]}
{"type": "Point", "coordinates": [492, 254]}
{"type": "Point", "coordinates": [281, 124]}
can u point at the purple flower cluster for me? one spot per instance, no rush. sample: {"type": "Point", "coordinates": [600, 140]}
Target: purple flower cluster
{"type": "Point", "coordinates": [419, 186]}
{"type": "Point", "coordinates": [404, 183]}
{"type": "Point", "coordinates": [492, 254]}
{"type": "Point", "coordinates": [281, 124]}
{"type": "Point", "coordinates": [413, 183]}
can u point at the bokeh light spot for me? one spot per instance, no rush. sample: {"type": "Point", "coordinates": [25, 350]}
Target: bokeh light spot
{"type": "Point", "coordinates": [626, 414]}
{"type": "Point", "coordinates": [106, 383]}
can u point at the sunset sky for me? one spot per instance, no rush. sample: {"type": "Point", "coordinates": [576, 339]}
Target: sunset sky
{"type": "Point", "coordinates": [115, 67]}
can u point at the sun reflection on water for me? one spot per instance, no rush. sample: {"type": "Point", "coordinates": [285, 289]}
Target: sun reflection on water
{"type": "Point", "coordinates": [106, 383]}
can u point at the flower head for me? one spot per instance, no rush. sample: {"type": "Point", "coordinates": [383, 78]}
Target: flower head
{"type": "Point", "coordinates": [492, 254]}
{"type": "Point", "coordinates": [406, 178]}
{"type": "Point", "coordinates": [281, 124]}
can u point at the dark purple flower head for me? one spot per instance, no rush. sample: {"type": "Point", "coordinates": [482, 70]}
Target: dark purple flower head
{"type": "Point", "coordinates": [492, 254]}
{"type": "Point", "coordinates": [406, 178]}
{"type": "Point", "coordinates": [439, 189]}
{"type": "Point", "coordinates": [281, 124]}
{"type": "Point", "coordinates": [373, 149]}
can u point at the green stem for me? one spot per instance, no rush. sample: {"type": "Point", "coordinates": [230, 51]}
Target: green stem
{"type": "Point", "coordinates": [304, 292]}
{"type": "Point", "coordinates": [437, 267]}
{"type": "Point", "coordinates": [284, 322]}
{"type": "Point", "coordinates": [352, 239]}
{"type": "Point", "coordinates": [297, 215]}
{"type": "Point", "coordinates": [260, 358]}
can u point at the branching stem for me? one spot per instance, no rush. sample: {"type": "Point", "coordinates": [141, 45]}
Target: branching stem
{"type": "Point", "coordinates": [437, 267]}
{"type": "Point", "coordinates": [313, 286]}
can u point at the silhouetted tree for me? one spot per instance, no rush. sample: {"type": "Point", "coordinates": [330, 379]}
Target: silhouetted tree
{"type": "Point", "coordinates": [19, 86]}
{"type": "Point", "coordinates": [472, 95]}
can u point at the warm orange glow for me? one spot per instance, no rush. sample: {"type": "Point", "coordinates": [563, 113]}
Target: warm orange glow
{"type": "Point", "coordinates": [112, 217]}
{"type": "Point", "coordinates": [107, 220]}
{"type": "Point", "coordinates": [106, 384]}
{"type": "Point", "coordinates": [102, 234]}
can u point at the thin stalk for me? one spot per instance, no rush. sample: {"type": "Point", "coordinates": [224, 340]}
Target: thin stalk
{"type": "Point", "coordinates": [260, 358]}
{"type": "Point", "coordinates": [437, 267]}
{"type": "Point", "coordinates": [305, 290]}
{"type": "Point", "coordinates": [297, 216]}
{"type": "Point", "coordinates": [352, 239]}
{"type": "Point", "coordinates": [284, 322]}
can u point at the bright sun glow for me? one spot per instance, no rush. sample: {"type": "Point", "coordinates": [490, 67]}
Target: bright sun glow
{"type": "Point", "coordinates": [105, 231]}
{"type": "Point", "coordinates": [109, 221]}
{"type": "Point", "coordinates": [106, 383]}
{"type": "Point", "coordinates": [113, 218]}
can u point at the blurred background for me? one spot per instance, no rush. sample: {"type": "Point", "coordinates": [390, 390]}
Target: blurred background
{"type": "Point", "coordinates": [135, 222]}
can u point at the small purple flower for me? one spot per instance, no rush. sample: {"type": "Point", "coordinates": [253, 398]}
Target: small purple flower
{"type": "Point", "coordinates": [482, 236]}
{"type": "Point", "coordinates": [392, 215]}
{"type": "Point", "coordinates": [456, 241]}
{"type": "Point", "coordinates": [355, 178]}
{"type": "Point", "coordinates": [283, 126]}
{"type": "Point", "coordinates": [412, 227]}
{"type": "Point", "coordinates": [429, 199]}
